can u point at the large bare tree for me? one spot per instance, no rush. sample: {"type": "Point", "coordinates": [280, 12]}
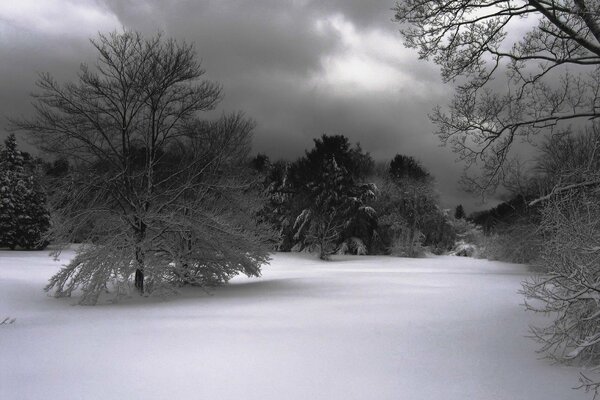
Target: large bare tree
{"type": "Point", "coordinates": [547, 56]}
{"type": "Point", "coordinates": [157, 193]}
{"type": "Point", "coordinates": [548, 51]}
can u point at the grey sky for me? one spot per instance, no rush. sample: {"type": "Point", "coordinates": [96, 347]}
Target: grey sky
{"type": "Point", "coordinates": [300, 68]}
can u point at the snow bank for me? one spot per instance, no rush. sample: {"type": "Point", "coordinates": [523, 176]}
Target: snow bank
{"type": "Point", "coordinates": [355, 328]}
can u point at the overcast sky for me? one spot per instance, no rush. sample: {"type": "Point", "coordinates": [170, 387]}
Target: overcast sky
{"type": "Point", "coordinates": [299, 68]}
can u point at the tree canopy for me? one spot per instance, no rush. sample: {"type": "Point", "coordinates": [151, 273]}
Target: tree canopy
{"type": "Point", "coordinates": [552, 71]}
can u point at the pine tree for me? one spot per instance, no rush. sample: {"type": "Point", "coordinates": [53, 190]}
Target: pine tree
{"type": "Point", "coordinates": [320, 225]}
{"type": "Point", "coordinates": [459, 212]}
{"type": "Point", "coordinates": [23, 215]}
{"type": "Point", "coordinates": [334, 211]}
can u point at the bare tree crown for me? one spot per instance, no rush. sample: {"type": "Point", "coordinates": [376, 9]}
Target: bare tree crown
{"type": "Point", "coordinates": [154, 190]}
{"type": "Point", "coordinates": [553, 70]}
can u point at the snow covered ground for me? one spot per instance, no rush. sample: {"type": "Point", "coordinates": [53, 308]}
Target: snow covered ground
{"type": "Point", "coordinates": [355, 328]}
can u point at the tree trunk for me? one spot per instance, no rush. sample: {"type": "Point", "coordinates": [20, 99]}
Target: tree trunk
{"type": "Point", "coordinates": [139, 258]}
{"type": "Point", "coordinates": [322, 254]}
{"type": "Point", "coordinates": [139, 280]}
{"type": "Point", "coordinates": [411, 242]}
{"type": "Point", "coordinates": [139, 272]}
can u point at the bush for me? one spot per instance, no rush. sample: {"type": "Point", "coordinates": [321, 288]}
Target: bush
{"type": "Point", "coordinates": [518, 243]}
{"type": "Point", "coordinates": [569, 290]}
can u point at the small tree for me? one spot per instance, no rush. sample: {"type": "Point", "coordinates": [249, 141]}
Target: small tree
{"type": "Point", "coordinates": [459, 212]}
{"type": "Point", "coordinates": [410, 206]}
{"type": "Point", "coordinates": [24, 218]}
{"type": "Point", "coordinates": [160, 191]}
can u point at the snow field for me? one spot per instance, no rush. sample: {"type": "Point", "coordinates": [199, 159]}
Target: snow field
{"type": "Point", "coordinates": [354, 328]}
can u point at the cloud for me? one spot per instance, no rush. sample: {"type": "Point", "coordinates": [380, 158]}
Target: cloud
{"type": "Point", "coordinates": [369, 59]}
{"type": "Point", "coordinates": [300, 68]}
{"type": "Point", "coordinates": [54, 18]}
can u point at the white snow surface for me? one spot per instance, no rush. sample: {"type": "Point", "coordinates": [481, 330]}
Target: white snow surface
{"type": "Point", "coordinates": [353, 328]}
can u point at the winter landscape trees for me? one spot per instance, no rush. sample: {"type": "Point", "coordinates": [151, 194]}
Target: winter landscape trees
{"type": "Point", "coordinates": [149, 190]}
{"type": "Point", "coordinates": [335, 199]}
{"type": "Point", "coordinates": [161, 193]}
{"type": "Point", "coordinates": [159, 197]}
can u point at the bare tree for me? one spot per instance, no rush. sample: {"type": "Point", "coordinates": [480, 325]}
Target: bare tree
{"type": "Point", "coordinates": [569, 289]}
{"type": "Point", "coordinates": [553, 70]}
{"type": "Point", "coordinates": [157, 192]}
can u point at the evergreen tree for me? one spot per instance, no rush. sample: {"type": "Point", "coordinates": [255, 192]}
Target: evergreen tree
{"type": "Point", "coordinates": [406, 167]}
{"type": "Point", "coordinates": [459, 212]}
{"type": "Point", "coordinates": [23, 215]}
{"type": "Point", "coordinates": [318, 203]}
{"type": "Point", "coordinates": [282, 206]}
{"type": "Point", "coordinates": [336, 203]}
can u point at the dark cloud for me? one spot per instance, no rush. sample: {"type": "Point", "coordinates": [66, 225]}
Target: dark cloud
{"type": "Point", "coordinates": [300, 68]}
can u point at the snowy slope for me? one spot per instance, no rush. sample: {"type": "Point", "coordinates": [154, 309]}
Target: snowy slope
{"type": "Point", "coordinates": [355, 328]}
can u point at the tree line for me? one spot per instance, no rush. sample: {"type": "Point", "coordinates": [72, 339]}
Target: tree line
{"type": "Point", "coordinates": [336, 199]}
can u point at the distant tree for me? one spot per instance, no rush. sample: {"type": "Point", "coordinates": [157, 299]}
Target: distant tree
{"type": "Point", "coordinates": [352, 159]}
{"type": "Point", "coordinates": [319, 202]}
{"type": "Point", "coordinates": [320, 224]}
{"type": "Point", "coordinates": [335, 203]}
{"type": "Point", "coordinates": [260, 162]}
{"type": "Point", "coordinates": [406, 167]}
{"type": "Point", "coordinates": [58, 168]}
{"type": "Point", "coordinates": [459, 212]}
{"type": "Point", "coordinates": [411, 205]}
{"type": "Point", "coordinates": [551, 71]}
{"type": "Point", "coordinates": [163, 192]}
{"type": "Point", "coordinates": [24, 218]}
{"type": "Point", "coordinates": [279, 203]}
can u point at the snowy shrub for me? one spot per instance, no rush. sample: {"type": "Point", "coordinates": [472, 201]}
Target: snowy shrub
{"type": "Point", "coordinates": [518, 244]}
{"type": "Point", "coordinates": [8, 321]}
{"type": "Point", "coordinates": [408, 244]}
{"type": "Point", "coordinates": [464, 249]}
{"type": "Point", "coordinates": [569, 287]}
{"type": "Point", "coordinates": [468, 238]}
{"type": "Point", "coordinates": [466, 231]}
{"type": "Point", "coordinates": [353, 245]}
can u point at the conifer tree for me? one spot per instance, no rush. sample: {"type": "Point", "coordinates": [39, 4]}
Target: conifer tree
{"type": "Point", "coordinates": [333, 201]}
{"type": "Point", "coordinates": [23, 215]}
{"type": "Point", "coordinates": [459, 212]}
